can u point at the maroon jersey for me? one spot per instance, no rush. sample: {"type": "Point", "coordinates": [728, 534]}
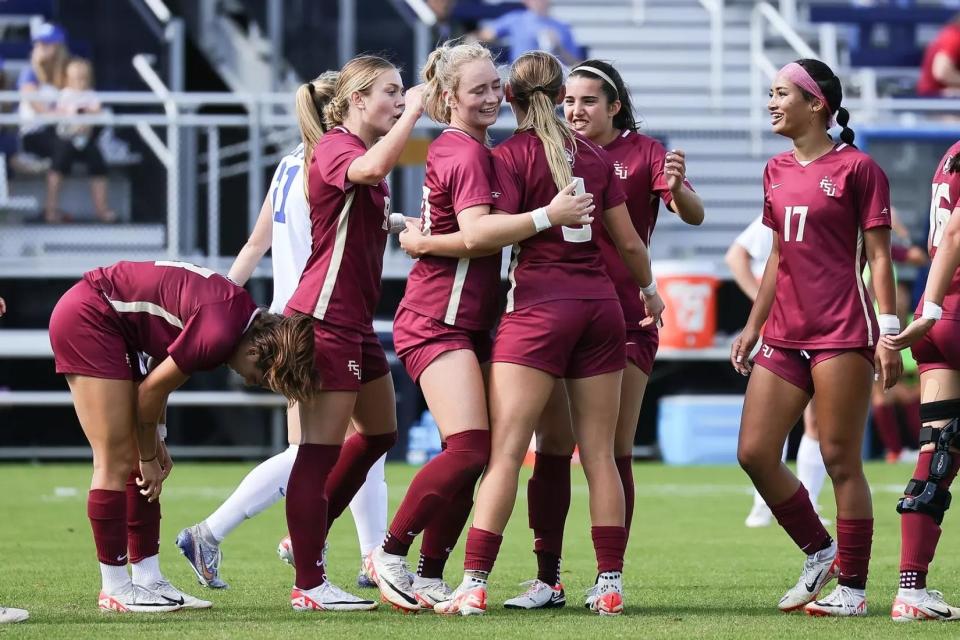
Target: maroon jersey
{"type": "Point", "coordinates": [560, 263]}
{"type": "Point", "coordinates": [461, 293]}
{"type": "Point", "coordinates": [193, 314]}
{"type": "Point", "coordinates": [638, 162]}
{"type": "Point", "coordinates": [819, 212]}
{"type": "Point", "coordinates": [341, 281]}
{"type": "Point", "coordinates": [944, 199]}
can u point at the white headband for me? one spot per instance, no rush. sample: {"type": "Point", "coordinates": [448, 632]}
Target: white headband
{"type": "Point", "coordinates": [597, 72]}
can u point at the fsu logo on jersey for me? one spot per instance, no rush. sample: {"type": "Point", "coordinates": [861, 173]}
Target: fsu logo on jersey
{"type": "Point", "coordinates": [621, 170]}
{"type": "Point", "coordinates": [948, 165]}
{"type": "Point", "coordinates": [828, 187]}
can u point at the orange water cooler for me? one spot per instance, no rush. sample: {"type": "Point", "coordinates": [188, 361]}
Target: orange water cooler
{"type": "Point", "coordinates": [689, 290]}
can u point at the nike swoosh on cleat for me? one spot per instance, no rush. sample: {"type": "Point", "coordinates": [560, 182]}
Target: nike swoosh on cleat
{"type": "Point", "coordinates": [810, 587]}
{"type": "Point", "coordinates": [943, 614]}
{"type": "Point", "coordinates": [178, 601]}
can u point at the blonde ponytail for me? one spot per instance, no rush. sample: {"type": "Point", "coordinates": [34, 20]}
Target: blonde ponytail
{"type": "Point", "coordinates": [358, 75]}
{"type": "Point", "coordinates": [311, 99]}
{"type": "Point", "coordinates": [536, 78]}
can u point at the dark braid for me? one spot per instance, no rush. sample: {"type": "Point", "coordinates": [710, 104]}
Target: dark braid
{"type": "Point", "coordinates": [829, 84]}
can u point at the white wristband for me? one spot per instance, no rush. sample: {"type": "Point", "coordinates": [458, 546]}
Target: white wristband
{"type": "Point", "coordinates": [540, 219]}
{"type": "Point", "coordinates": [162, 431]}
{"type": "Point", "coordinates": [889, 324]}
{"type": "Point", "coordinates": [931, 311]}
{"type": "Point", "coordinates": [650, 289]}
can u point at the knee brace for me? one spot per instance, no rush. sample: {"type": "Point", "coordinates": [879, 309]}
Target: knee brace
{"type": "Point", "coordinates": [925, 496]}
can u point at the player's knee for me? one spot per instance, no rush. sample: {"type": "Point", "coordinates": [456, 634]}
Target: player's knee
{"type": "Point", "coordinates": [842, 463]}
{"type": "Point", "coordinates": [555, 444]}
{"type": "Point", "coordinates": [755, 460]}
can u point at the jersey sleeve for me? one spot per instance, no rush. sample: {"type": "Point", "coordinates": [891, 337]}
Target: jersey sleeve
{"type": "Point", "coordinates": [27, 76]}
{"type": "Point", "coordinates": [507, 190]}
{"type": "Point", "coordinates": [336, 161]}
{"type": "Point", "coordinates": [872, 192]}
{"type": "Point", "coordinates": [471, 183]}
{"type": "Point", "coordinates": [767, 217]}
{"type": "Point", "coordinates": [212, 334]}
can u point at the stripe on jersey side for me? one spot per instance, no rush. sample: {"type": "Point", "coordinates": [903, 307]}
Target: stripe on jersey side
{"type": "Point", "coordinates": [858, 274]}
{"type": "Point", "coordinates": [140, 306]}
{"type": "Point", "coordinates": [458, 281]}
{"type": "Point", "coordinates": [512, 275]}
{"type": "Point", "coordinates": [339, 244]}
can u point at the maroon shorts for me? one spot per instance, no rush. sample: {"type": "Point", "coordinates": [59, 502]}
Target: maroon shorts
{"type": "Point", "coordinates": [565, 338]}
{"type": "Point", "coordinates": [420, 339]}
{"type": "Point", "coordinates": [796, 365]}
{"type": "Point", "coordinates": [86, 337]}
{"type": "Point", "coordinates": [642, 344]}
{"type": "Point", "coordinates": [345, 358]}
{"type": "Point", "coordinates": [940, 348]}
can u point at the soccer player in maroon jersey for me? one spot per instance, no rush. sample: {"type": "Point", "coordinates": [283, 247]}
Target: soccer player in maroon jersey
{"type": "Point", "coordinates": [190, 319]}
{"type": "Point", "coordinates": [933, 336]}
{"type": "Point", "coordinates": [562, 320]}
{"type": "Point", "coordinates": [368, 121]}
{"type": "Point", "coordinates": [828, 206]}
{"type": "Point", "coordinates": [442, 327]}
{"type": "Point", "coordinates": [598, 106]}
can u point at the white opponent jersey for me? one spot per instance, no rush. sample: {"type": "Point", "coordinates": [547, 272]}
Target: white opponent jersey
{"type": "Point", "coordinates": [758, 241]}
{"type": "Point", "coordinates": [291, 228]}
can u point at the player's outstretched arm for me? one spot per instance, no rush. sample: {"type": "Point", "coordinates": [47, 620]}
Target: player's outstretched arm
{"type": "Point", "coordinates": [255, 247]}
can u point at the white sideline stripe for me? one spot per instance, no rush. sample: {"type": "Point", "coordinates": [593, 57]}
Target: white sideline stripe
{"type": "Point", "coordinates": [458, 281]}
{"type": "Point", "coordinates": [858, 274]}
{"type": "Point", "coordinates": [141, 306]}
{"type": "Point", "coordinates": [333, 269]}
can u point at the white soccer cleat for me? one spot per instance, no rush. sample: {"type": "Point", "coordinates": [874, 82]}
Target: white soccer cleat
{"type": "Point", "coordinates": [393, 579]}
{"type": "Point", "coordinates": [164, 589]}
{"type": "Point", "coordinates": [285, 550]}
{"type": "Point", "coordinates": [133, 598]}
{"type": "Point", "coordinates": [759, 516]}
{"type": "Point", "coordinates": [469, 599]}
{"type": "Point", "coordinates": [431, 591]}
{"type": "Point", "coordinates": [204, 558]}
{"type": "Point", "coordinates": [328, 597]}
{"type": "Point", "coordinates": [924, 605]}
{"type": "Point", "coordinates": [539, 595]}
{"type": "Point", "coordinates": [591, 595]}
{"type": "Point", "coordinates": [818, 570]}
{"type": "Point", "coordinates": [10, 615]}
{"type": "Point", "coordinates": [843, 602]}
{"type": "Point", "coordinates": [609, 597]}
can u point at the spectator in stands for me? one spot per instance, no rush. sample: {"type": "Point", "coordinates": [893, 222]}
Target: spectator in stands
{"type": "Point", "coordinates": [77, 142]}
{"type": "Point", "coordinates": [45, 76]}
{"type": "Point", "coordinates": [447, 27]}
{"type": "Point", "coordinates": [532, 29]}
{"type": "Point", "coordinates": [940, 70]}
{"type": "Point", "coordinates": [3, 307]}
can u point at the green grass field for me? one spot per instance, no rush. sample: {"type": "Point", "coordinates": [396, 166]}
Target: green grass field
{"type": "Point", "coordinates": [693, 570]}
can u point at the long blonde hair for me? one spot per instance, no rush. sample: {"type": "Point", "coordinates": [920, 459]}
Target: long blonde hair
{"type": "Point", "coordinates": [442, 72]}
{"type": "Point", "coordinates": [536, 79]}
{"type": "Point", "coordinates": [54, 70]}
{"type": "Point", "coordinates": [358, 75]}
{"type": "Point", "coordinates": [311, 99]}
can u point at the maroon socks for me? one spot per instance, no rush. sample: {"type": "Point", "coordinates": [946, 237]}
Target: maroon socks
{"type": "Point", "coordinates": [919, 533]}
{"type": "Point", "coordinates": [441, 535]}
{"type": "Point", "coordinates": [350, 472]}
{"type": "Point", "coordinates": [548, 501]}
{"type": "Point", "coordinates": [625, 469]}
{"type": "Point", "coordinates": [854, 539]}
{"type": "Point", "coordinates": [482, 549]}
{"type": "Point", "coordinates": [307, 510]}
{"type": "Point", "coordinates": [143, 522]}
{"type": "Point", "coordinates": [888, 427]}
{"type": "Point", "coordinates": [434, 487]}
{"type": "Point", "coordinates": [799, 519]}
{"type": "Point", "coordinates": [610, 545]}
{"type": "Point", "coordinates": [107, 511]}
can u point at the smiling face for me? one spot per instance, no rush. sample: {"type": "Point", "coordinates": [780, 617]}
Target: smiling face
{"type": "Point", "coordinates": [476, 104]}
{"type": "Point", "coordinates": [791, 114]}
{"type": "Point", "coordinates": [382, 105]}
{"type": "Point", "coordinates": [587, 109]}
